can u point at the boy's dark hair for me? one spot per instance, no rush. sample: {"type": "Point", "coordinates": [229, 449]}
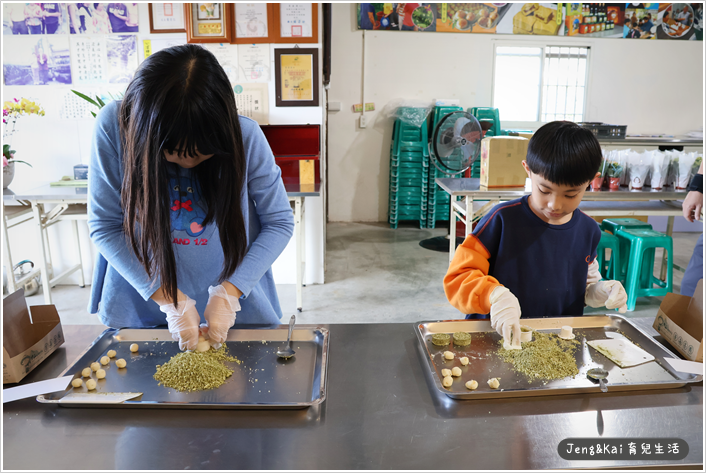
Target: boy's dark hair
{"type": "Point", "coordinates": [564, 153]}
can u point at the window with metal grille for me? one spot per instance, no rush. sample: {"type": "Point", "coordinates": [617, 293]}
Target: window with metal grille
{"type": "Point", "coordinates": [540, 83]}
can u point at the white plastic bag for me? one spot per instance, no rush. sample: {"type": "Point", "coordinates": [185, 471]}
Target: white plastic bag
{"type": "Point", "coordinates": [683, 168]}
{"type": "Point", "coordinates": [659, 168]}
{"type": "Point", "coordinates": [639, 166]}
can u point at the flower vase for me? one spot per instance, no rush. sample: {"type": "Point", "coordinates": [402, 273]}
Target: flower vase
{"type": "Point", "coordinates": [8, 174]}
{"type": "Point", "coordinates": [596, 184]}
{"type": "Point", "coordinates": [614, 183]}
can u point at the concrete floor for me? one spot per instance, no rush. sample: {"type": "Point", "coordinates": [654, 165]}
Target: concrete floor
{"type": "Point", "coordinates": [374, 275]}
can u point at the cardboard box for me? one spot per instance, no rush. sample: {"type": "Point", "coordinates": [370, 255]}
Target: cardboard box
{"type": "Point", "coordinates": [680, 321]}
{"type": "Point", "coordinates": [26, 341]}
{"type": "Point", "coordinates": [501, 161]}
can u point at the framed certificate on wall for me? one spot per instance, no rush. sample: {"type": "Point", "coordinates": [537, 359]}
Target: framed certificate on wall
{"type": "Point", "coordinates": [209, 22]}
{"type": "Point", "coordinates": [253, 23]}
{"type": "Point", "coordinates": [167, 18]}
{"type": "Point", "coordinates": [296, 22]}
{"type": "Point", "coordinates": [297, 77]}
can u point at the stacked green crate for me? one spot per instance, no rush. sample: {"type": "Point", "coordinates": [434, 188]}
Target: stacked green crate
{"type": "Point", "coordinates": [485, 114]}
{"type": "Point", "coordinates": [409, 173]}
{"type": "Point", "coordinates": [438, 200]}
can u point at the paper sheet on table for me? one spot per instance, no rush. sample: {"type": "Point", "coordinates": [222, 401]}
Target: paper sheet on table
{"type": "Point", "coordinates": [685, 366]}
{"type": "Point", "coordinates": [35, 389]}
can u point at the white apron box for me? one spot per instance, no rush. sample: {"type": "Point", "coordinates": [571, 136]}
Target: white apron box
{"type": "Point", "coordinates": [27, 341]}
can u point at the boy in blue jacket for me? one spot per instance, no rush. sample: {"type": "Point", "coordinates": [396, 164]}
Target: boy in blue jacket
{"type": "Point", "coordinates": [538, 252]}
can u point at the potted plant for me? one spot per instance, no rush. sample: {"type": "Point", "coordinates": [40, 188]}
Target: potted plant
{"type": "Point", "coordinates": [12, 110]}
{"type": "Point", "coordinates": [597, 182]}
{"type": "Point", "coordinates": [614, 171]}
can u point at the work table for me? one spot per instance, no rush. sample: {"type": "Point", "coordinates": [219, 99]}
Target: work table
{"type": "Point", "coordinates": [381, 412]}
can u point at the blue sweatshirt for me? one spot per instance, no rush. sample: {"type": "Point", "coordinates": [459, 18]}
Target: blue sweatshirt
{"type": "Point", "coordinates": [121, 288]}
{"type": "Point", "coordinates": [545, 266]}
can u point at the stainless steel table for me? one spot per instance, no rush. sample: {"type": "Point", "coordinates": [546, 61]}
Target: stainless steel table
{"type": "Point", "coordinates": [475, 203]}
{"type": "Point", "coordinates": [71, 204]}
{"type": "Point", "coordinates": [380, 413]}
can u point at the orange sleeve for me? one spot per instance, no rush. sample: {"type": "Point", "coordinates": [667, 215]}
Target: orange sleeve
{"type": "Point", "coordinates": [467, 284]}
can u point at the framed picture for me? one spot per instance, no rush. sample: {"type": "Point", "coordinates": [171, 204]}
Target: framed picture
{"type": "Point", "coordinates": [297, 77]}
{"type": "Point", "coordinates": [167, 18]}
{"type": "Point", "coordinates": [208, 11]}
{"type": "Point", "coordinates": [209, 22]}
{"type": "Point", "coordinates": [253, 23]}
{"type": "Point", "coordinates": [295, 22]}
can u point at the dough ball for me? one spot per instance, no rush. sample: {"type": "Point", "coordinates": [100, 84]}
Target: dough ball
{"type": "Point", "coordinates": [456, 371]}
{"type": "Point", "coordinates": [86, 373]}
{"type": "Point", "coordinates": [463, 360]}
{"type": "Point", "coordinates": [77, 383]}
{"type": "Point", "coordinates": [111, 353]}
{"type": "Point", "coordinates": [105, 360]}
{"type": "Point", "coordinates": [445, 372]}
{"type": "Point", "coordinates": [95, 366]}
{"type": "Point", "coordinates": [203, 346]}
{"type": "Point", "coordinates": [100, 374]}
{"type": "Point", "coordinates": [120, 363]}
{"type": "Point", "coordinates": [472, 384]}
{"type": "Point", "coordinates": [91, 384]}
{"type": "Point", "coordinates": [494, 383]}
{"type": "Point", "coordinates": [447, 382]}
{"type": "Point", "coordinates": [448, 355]}
{"type": "Point", "coordinates": [201, 338]}
{"type": "Point", "coordinates": [134, 348]}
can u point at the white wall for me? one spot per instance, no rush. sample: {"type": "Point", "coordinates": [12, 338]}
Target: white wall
{"type": "Point", "coordinates": [54, 145]}
{"type": "Point", "coordinates": [631, 82]}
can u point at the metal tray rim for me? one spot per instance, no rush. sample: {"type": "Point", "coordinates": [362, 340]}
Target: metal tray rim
{"type": "Point", "coordinates": [244, 405]}
{"type": "Point", "coordinates": [547, 390]}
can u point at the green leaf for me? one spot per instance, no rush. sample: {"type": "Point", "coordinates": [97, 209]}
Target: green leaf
{"type": "Point", "coordinates": [23, 162]}
{"type": "Point", "coordinates": [86, 98]}
{"type": "Point", "coordinates": [100, 101]}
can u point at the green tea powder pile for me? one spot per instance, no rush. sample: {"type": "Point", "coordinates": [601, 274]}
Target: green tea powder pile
{"type": "Point", "coordinates": [546, 357]}
{"type": "Point", "coordinates": [196, 371]}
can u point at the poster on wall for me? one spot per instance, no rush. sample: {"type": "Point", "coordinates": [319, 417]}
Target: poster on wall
{"type": "Point", "coordinates": [88, 60]}
{"type": "Point", "coordinates": [36, 60]}
{"type": "Point", "coordinates": [254, 62]}
{"type": "Point", "coordinates": [251, 100]}
{"type": "Point", "coordinates": [35, 18]}
{"type": "Point", "coordinates": [595, 20]}
{"type": "Point", "coordinates": [227, 56]}
{"type": "Point", "coordinates": [121, 58]}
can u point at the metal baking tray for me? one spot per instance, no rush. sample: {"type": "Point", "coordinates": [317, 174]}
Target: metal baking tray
{"type": "Point", "coordinates": [485, 363]}
{"type": "Point", "coordinates": [261, 381]}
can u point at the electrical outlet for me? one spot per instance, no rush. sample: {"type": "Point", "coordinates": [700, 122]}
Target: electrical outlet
{"type": "Point", "coordinates": [363, 121]}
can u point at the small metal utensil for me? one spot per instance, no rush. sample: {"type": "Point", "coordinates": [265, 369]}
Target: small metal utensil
{"type": "Point", "coordinates": [600, 375]}
{"type": "Point", "coordinates": [287, 352]}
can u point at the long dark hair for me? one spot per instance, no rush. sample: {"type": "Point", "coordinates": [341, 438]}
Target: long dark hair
{"type": "Point", "coordinates": [180, 99]}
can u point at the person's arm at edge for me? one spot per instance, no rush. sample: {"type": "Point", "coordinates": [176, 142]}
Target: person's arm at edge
{"type": "Point", "coordinates": [691, 207]}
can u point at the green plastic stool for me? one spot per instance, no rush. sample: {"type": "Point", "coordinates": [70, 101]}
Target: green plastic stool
{"type": "Point", "coordinates": [487, 113]}
{"type": "Point", "coordinates": [612, 225]}
{"type": "Point", "coordinates": [608, 268]}
{"type": "Point", "coordinates": [642, 242]}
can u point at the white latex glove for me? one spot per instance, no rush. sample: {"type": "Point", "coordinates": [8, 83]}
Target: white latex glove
{"type": "Point", "coordinates": [594, 273]}
{"type": "Point", "coordinates": [219, 314]}
{"type": "Point", "coordinates": [610, 294]}
{"type": "Point", "coordinates": [505, 316]}
{"type": "Point", "coordinates": [183, 323]}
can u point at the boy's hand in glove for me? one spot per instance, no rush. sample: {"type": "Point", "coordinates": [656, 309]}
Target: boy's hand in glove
{"type": "Point", "coordinates": [505, 316]}
{"type": "Point", "coordinates": [610, 294]}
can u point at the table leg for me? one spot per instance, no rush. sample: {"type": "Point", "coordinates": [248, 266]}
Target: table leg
{"type": "Point", "coordinates": [7, 259]}
{"type": "Point", "coordinates": [37, 210]}
{"type": "Point", "coordinates": [82, 283]}
{"type": "Point", "coordinates": [298, 224]}
{"type": "Point", "coordinates": [663, 272]}
{"type": "Point", "coordinates": [452, 228]}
